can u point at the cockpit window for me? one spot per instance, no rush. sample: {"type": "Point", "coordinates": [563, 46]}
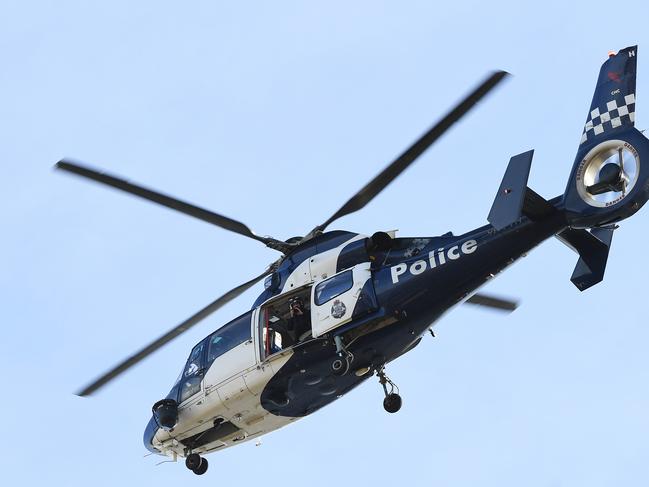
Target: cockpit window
{"type": "Point", "coordinates": [190, 382]}
{"type": "Point", "coordinates": [195, 360]}
{"type": "Point", "coordinates": [333, 287]}
{"type": "Point", "coordinates": [228, 336]}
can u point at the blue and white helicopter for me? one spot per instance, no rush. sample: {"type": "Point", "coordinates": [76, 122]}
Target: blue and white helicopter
{"type": "Point", "coordinates": [338, 306]}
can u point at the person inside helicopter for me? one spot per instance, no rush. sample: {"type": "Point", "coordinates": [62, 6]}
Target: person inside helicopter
{"type": "Point", "coordinates": [287, 323]}
{"type": "Point", "coordinates": [298, 319]}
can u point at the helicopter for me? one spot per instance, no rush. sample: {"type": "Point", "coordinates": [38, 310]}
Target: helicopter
{"type": "Point", "coordinates": [338, 306]}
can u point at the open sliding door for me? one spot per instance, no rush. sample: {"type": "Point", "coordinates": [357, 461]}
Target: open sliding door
{"type": "Point", "coordinates": [333, 300]}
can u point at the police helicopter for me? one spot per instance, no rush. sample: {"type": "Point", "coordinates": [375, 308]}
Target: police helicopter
{"type": "Point", "coordinates": [338, 306]}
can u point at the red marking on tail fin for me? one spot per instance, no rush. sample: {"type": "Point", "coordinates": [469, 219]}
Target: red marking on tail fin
{"type": "Point", "coordinates": [613, 76]}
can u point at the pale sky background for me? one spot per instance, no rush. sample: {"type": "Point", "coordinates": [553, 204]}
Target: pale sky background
{"type": "Point", "coordinates": [275, 113]}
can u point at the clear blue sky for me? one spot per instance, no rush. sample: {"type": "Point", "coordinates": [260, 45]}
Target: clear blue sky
{"type": "Point", "coordinates": [275, 113]}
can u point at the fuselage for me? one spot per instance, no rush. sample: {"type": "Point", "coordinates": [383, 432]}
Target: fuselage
{"type": "Point", "coordinates": [256, 386]}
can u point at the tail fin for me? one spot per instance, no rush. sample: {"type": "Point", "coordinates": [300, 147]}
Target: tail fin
{"type": "Point", "coordinates": [613, 105]}
{"type": "Point", "coordinates": [610, 177]}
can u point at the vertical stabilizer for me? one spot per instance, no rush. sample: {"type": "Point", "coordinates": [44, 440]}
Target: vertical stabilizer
{"type": "Point", "coordinates": [613, 105]}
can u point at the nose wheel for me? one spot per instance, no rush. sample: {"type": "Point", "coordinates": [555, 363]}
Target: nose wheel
{"type": "Point", "coordinates": [196, 463]}
{"type": "Point", "coordinates": [392, 401]}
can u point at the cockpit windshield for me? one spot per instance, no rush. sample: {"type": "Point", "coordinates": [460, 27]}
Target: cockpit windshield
{"type": "Point", "coordinates": [193, 372]}
{"type": "Point", "coordinates": [195, 361]}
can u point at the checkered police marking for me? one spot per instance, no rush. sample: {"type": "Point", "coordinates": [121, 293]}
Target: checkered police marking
{"type": "Point", "coordinates": [613, 116]}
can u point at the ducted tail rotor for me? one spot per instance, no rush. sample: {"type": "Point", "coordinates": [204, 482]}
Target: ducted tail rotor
{"type": "Point", "coordinates": [609, 174]}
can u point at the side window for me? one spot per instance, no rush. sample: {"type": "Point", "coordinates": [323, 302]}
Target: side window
{"type": "Point", "coordinates": [333, 287]}
{"type": "Point", "coordinates": [228, 336]}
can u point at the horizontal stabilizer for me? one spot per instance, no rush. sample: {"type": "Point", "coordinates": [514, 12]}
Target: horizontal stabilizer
{"type": "Point", "coordinates": [536, 207]}
{"type": "Point", "coordinates": [500, 304]}
{"type": "Point", "coordinates": [593, 248]}
{"type": "Point", "coordinates": [508, 204]}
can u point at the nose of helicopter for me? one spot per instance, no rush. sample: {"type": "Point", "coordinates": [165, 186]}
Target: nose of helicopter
{"type": "Point", "coordinates": [149, 433]}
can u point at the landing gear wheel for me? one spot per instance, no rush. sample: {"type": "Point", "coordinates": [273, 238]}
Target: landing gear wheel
{"type": "Point", "coordinates": [392, 402]}
{"type": "Point", "coordinates": [202, 468]}
{"type": "Point", "coordinates": [193, 461]}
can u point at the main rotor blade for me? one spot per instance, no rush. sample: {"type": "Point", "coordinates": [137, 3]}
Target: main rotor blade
{"type": "Point", "coordinates": [168, 201]}
{"type": "Point", "coordinates": [376, 185]}
{"type": "Point", "coordinates": [170, 335]}
{"type": "Point", "coordinates": [493, 302]}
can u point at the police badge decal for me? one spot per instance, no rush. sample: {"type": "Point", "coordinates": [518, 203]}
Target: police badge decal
{"type": "Point", "coordinates": [338, 309]}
